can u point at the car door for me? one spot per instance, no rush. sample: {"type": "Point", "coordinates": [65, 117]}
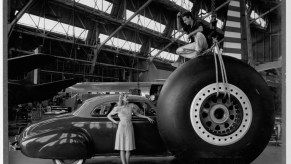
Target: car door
{"type": "Point", "coordinates": [147, 137]}
{"type": "Point", "coordinates": [101, 128]}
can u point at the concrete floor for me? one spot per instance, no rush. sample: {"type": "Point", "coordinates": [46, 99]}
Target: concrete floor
{"type": "Point", "coordinates": [271, 155]}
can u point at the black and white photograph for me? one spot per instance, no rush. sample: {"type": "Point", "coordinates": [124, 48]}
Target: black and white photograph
{"type": "Point", "coordinates": [144, 82]}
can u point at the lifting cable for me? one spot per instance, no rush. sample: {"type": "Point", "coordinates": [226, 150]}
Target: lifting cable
{"type": "Point", "coordinates": [218, 58]}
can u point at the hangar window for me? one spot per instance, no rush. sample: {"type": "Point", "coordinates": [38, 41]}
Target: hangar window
{"type": "Point", "coordinates": [186, 4]}
{"type": "Point", "coordinates": [146, 22]}
{"type": "Point", "coordinates": [52, 26]}
{"type": "Point", "coordinates": [254, 15]}
{"type": "Point", "coordinates": [120, 43]}
{"type": "Point", "coordinates": [260, 21]}
{"type": "Point", "coordinates": [207, 19]}
{"type": "Point", "coordinates": [176, 34]}
{"type": "Point", "coordinates": [101, 5]}
{"type": "Point", "coordinates": [164, 55]}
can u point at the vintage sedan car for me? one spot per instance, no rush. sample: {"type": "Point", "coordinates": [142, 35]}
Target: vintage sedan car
{"type": "Point", "coordinates": [87, 132]}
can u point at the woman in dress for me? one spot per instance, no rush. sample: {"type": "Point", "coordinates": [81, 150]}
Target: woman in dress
{"type": "Point", "coordinates": [124, 140]}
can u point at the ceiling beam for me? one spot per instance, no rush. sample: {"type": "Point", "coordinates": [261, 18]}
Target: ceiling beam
{"type": "Point", "coordinates": [86, 61]}
{"type": "Point", "coordinates": [105, 48]}
{"type": "Point", "coordinates": [103, 18]}
{"type": "Point", "coordinates": [215, 10]}
{"type": "Point", "coordinates": [113, 33]}
{"type": "Point", "coordinates": [125, 23]}
{"type": "Point", "coordinates": [77, 74]}
{"type": "Point", "coordinates": [19, 15]}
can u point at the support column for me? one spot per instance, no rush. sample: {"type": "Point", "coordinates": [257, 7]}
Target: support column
{"type": "Point", "coordinates": [34, 75]}
{"type": "Point", "coordinates": [145, 48]}
{"type": "Point", "coordinates": [169, 28]}
{"type": "Point", "coordinates": [95, 49]}
{"type": "Point", "coordinates": [124, 16]}
{"type": "Point", "coordinates": [119, 9]}
{"type": "Point", "coordinates": [90, 40]}
{"type": "Point", "coordinates": [249, 45]}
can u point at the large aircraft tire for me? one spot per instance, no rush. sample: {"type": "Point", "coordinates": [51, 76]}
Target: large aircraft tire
{"type": "Point", "coordinates": [198, 125]}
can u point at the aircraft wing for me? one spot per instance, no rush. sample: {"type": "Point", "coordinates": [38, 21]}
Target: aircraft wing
{"type": "Point", "coordinates": [24, 64]}
{"type": "Point", "coordinates": [23, 93]}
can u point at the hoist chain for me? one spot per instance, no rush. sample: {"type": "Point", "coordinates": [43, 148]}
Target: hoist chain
{"type": "Point", "coordinates": [213, 21]}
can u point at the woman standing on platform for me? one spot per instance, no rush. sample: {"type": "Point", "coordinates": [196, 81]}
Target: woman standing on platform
{"type": "Point", "coordinates": [124, 140]}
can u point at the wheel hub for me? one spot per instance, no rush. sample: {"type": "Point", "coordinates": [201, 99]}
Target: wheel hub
{"type": "Point", "coordinates": [220, 120]}
{"type": "Point", "coordinates": [219, 113]}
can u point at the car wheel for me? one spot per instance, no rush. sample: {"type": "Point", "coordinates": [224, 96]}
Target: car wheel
{"type": "Point", "coordinates": [198, 121]}
{"type": "Point", "coordinates": [69, 161]}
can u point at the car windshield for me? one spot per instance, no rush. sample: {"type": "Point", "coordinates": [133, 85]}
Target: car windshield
{"type": "Point", "coordinates": [84, 105]}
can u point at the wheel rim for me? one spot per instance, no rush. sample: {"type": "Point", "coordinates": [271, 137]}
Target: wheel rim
{"type": "Point", "coordinates": [217, 120]}
{"type": "Point", "coordinates": [69, 161]}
